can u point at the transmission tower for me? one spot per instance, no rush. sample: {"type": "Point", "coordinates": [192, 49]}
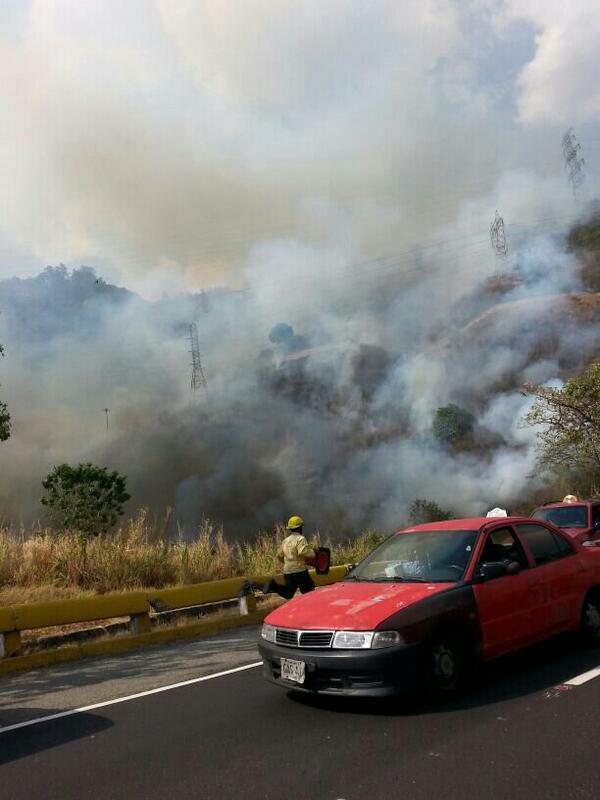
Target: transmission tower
{"type": "Point", "coordinates": [498, 236]}
{"type": "Point", "coordinates": [198, 379]}
{"type": "Point", "coordinates": [574, 165]}
{"type": "Point", "coordinates": [106, 410]}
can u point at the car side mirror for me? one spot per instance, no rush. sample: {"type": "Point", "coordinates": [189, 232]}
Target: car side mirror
{"type": "Point", "coordinates": [492, 569]}
{"type": "Point", "coordinates": [497, 569]}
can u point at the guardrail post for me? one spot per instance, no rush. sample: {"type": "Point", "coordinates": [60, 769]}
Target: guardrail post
{"type": "Point", "coordinates": [246, 599]}
{"type": "Point", "coordinates": [139, 623]}
{"type": "Point", "coordinates": [247, 604]}
{"type": "Point", "coordinates": [10, 644]}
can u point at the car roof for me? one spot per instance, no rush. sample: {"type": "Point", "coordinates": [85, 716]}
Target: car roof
{"type": "Point", "coordinates": [469, 524]}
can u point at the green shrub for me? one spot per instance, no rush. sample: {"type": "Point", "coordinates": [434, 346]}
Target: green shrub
{"type": "Point", "coordinates": [86, 498]}
{"type": "Point", "coordinates": [452, 423]}
{"type": "Point", "coordinates": [422, 511]}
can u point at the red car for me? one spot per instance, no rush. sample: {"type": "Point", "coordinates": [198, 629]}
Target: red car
{"type": "Point", "coordinates": [431, 602]}
{"type": "Point", "coordinates": [580, 519]}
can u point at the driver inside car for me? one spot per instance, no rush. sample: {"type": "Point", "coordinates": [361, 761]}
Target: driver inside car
{"type": "Point", "coordinates": [501, 546]}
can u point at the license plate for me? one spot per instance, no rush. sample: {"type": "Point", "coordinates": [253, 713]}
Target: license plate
{"type": "Point", "coordinates": [293, 670]}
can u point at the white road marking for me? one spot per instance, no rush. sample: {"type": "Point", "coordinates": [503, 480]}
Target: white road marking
{"type": "Point", "coordinates": [584, 677]}
{"type": "Point", "coordinates": [125, 699]}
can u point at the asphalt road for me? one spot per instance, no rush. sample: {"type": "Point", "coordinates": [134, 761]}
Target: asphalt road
{"type": "Point", "coordinates": [519, 733]}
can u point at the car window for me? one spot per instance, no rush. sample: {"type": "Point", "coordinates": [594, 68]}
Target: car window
{"type": "Point", "coordinates": [596, 516]}
{"type": "Point", "coordinates": [544, 545]}
{"type": "Point", "coordinates": [564, 516]}
{"type": "Point", "coordinates": [565, 548]}
{"type": "Point", "coordinates": [418, 556]}
{"type": "Point", "coordinates": [502, 545]}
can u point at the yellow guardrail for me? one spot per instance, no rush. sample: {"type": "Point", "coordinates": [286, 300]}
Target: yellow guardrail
{"type": "Point", "coordinates": [135, 605]}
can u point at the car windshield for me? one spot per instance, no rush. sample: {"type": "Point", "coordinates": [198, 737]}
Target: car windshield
{"type": "Point", "coordinates": [424, 556]}
{"type": "Point", "coordinates": [564, 516]}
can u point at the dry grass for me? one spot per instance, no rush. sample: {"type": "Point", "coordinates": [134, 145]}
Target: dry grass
{"type": "Point", "coordinates": [42, 564]}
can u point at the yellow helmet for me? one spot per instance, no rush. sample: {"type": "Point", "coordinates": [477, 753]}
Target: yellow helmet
{"type": "Point", "coordinates": [294, 523]}
{"type": "Point", "coordinates": [570, 498]}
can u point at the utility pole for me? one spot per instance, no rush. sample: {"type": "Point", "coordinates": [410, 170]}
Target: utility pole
{"type": "Point", "coordinates": [498, 236]}
{"type": "Point", "coordinates": [574, 166]}
{"type": "Point", "coordinates": [106, 410]}
{"type": "Point", "coordinates": [198, 379]}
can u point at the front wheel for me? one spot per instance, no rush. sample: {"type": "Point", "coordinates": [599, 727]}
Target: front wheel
{"type": "Point", "coordinates": [590, 617]}
{"type": "Point", "coordinates": [443, 666]}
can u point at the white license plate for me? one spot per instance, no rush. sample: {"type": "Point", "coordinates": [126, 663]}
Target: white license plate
{"type": "Point", "coordinates": [293, 670]}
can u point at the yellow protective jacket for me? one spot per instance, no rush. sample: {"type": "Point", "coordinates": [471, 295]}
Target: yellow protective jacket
{"type": "Point", "coordinates": [294, 550]}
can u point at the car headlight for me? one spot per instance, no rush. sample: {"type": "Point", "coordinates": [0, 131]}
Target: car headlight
{"type": "Point", "coordinates": [386, 639]}
{"type": "Point", "coordinates": [366, 640]}
{"type": "Point", "coordinates": [268, 633]}
{"type": "Point", "coordinates": [353, 640]}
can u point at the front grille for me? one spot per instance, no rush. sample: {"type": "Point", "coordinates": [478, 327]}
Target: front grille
{"type": "Point", "coordinates": [316, 638]}
{"type": "Point", "coordinates": [313, 639]}
{"type": "Point", "coordinates": [286, 637]}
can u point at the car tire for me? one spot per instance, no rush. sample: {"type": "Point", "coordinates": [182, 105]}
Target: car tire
{"type": "Point", "coordinates": [590, 617]}
{"type": "Point", "coordinates": [444, 665]}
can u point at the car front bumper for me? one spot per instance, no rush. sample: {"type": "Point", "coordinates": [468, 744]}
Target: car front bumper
{"type": "Point", "coordinates": [359, 673]}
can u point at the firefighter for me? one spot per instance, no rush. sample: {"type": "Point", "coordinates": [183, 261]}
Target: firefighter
{"type": "Point", "coordinates": [294, 552]}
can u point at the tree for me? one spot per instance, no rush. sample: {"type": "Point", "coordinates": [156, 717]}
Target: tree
{"type": "Point", "coordinates": [422, 511]}
{"type": "Point", "coordinates": [569, 438]}
{"type": "Point", "coordinates": [86, 498]}
{"type": "Point", "coordinates": [452, 423]}
{"type": "Point", "coordinates": [4, 415]}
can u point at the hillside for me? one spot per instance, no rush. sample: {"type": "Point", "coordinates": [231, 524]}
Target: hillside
{"type": "Point", "coordinates": [337, 424]}
{"type": "Point", "coordinates": [584, 242]}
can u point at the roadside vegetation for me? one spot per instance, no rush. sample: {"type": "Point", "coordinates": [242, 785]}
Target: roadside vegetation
{"type": "Point", "coordinates": [45, 564]}
{"type": "Point", "coordinates": [86, 498]}
{"type": "Point", "coordinates": [568, 423]}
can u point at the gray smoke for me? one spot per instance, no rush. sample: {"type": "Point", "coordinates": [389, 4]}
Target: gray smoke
{"type": "Point", "coordinates": [328, 414]}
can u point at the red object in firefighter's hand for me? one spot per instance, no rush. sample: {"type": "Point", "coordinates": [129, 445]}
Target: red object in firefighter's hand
{"type": "Point", "coordinates": [322, 560]}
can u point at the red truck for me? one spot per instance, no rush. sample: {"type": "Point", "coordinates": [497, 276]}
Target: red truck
{"type": "Point", "coordinates": [579, 518]}
{"type": "Point", "coordinates": [430, 603]}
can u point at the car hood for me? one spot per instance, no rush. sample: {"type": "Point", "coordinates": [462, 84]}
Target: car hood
{"type": "Point", "coordinates": [351, 606]}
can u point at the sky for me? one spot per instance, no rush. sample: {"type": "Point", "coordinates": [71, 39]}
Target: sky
{"type": "Point", "coordinates": [165, 143]}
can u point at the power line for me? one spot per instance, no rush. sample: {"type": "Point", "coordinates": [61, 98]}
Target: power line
{"type": "Point", "coordinates": [449, 247]}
